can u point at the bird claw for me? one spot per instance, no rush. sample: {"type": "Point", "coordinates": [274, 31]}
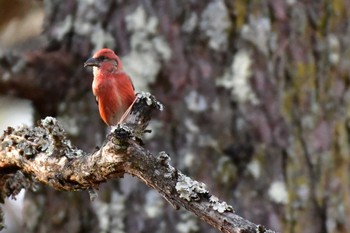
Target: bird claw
{"type": "Point", "coordinates": [124, 133]}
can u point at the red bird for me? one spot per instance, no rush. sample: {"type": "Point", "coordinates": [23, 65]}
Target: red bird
{"type": "Point", "coordinates": [112, 87]}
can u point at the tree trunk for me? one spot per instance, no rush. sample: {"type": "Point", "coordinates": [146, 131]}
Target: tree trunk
{"type": "Point", "coordinates": [255, 96]}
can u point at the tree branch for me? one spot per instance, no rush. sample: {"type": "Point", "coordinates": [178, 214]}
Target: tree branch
{"type": "Point", "coordinates": [44, 154]}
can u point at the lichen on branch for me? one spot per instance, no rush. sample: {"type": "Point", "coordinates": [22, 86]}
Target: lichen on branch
{"type": "Point", "coordinates": [44, 154]}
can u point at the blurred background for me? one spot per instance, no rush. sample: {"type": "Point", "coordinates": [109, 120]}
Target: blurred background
{"type": "Point", "coordinates": [256, 97]}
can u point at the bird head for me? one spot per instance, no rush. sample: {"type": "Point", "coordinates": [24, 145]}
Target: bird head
{"type": "Point", "coordinates": [104, 57]}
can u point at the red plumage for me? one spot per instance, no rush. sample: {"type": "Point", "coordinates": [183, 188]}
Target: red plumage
{"type": "Point", "coordinates": [112, 87]}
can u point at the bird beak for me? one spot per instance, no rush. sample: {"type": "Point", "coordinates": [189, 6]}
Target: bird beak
{"type": "Point", "coordinates": [92, 62]}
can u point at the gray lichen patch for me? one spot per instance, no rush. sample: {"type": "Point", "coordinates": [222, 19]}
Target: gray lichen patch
{"type": "Point", "coordinates": [150, 100]}
{"type": "Point", "coordinates": [111, 214]}
{"type": "Point", "coordinates": [21, 142]}
{"type": "Point", "coordinates": [220, 206]}
{"type": "Point", "coordinates": [188, 223]}
{"type": "Point", "coordinates": [56, 139]}
{"type": "Point", "coordinates": [237, 78]}
{"type": "Point", "coordinates": [148, 48]}
{"type": "Point", "coordinates": [215, 23]}
{"type": "Point", "coordinates": [164, 159]}
{"type": "Point", "coordinates": [42, 142]}
{"type": "Point", "coordinates": [189, 189]}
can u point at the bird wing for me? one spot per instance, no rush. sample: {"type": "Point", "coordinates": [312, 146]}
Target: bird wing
{"type": "Point", "coordinates": [131, 82]}
{"type": "Point", "coordinates": [94, 89]}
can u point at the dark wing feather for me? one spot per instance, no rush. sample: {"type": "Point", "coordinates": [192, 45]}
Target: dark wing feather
{"type": "Point", "coordinates": [131, 82]}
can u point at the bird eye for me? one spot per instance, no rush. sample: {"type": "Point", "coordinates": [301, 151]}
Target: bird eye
{"type": "Point", "coordinates": [101, 58]}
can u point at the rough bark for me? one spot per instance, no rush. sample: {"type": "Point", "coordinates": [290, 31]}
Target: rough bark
{"type": "Point", "coordinates": [44, 154]}
{"type": "Point", "coordinates": [256, 96]}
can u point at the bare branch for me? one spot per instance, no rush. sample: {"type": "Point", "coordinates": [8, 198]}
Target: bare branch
{"type": "Point", "coordinates": [44, 154]}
